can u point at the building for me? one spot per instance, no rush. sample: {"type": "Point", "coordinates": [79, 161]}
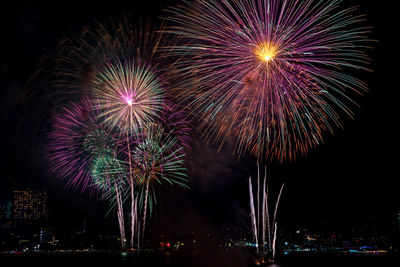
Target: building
{"type": "Point", "coordinates": [29, 205]}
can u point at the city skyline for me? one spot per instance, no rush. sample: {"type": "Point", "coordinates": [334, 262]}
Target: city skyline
{"type": "Point", "coordinates": [28, 206]}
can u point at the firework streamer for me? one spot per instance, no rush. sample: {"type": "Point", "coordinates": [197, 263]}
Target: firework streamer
{"type": "Point", "coordinates": [274, 241]}
{"type": "Point", "coordinates": [277, 202]}
{"type": "Point", "coordinates": [133, 201]}
{"type": "Point", "coordinates": [265, 229]}
{"type": "Point", "coordinates": [264, 218]}
{"type": "Point", "coordinates": [135, 221]}
{"type": "Point", "coordinates": [120, 217]}
{"type": "Point", "coordinates": [272, 75]}
{"type": "Point", "coordinates": [108, 176]}
{"type": "Point", "coordinates": [146, 198]}
{"type": "Point", "coordinates": [258, 196]}
{"type": "Point", "coordinates": [132, 191]}
{"type": "Point", "coordinates": [275, 223]}
{"type": "Point", "coordinates": [266, 208]}
{"type": "Point", "coordinates": [138, 236]}
{"type": "Point", "coordinates": [253, 215]}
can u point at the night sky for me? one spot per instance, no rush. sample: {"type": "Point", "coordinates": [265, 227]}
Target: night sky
{"type": "Point", "coordinates": [338, 185]}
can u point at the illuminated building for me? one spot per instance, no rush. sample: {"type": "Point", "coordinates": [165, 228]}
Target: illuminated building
{"type": "Point", "coordinates": [30, 205]}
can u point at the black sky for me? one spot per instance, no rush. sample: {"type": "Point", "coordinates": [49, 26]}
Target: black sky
{"type": "Point", "coordinates": [350, 177]}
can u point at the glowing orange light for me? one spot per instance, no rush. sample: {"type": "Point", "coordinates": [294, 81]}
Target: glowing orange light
{"type": "Point", "coordinates": [266, 52]}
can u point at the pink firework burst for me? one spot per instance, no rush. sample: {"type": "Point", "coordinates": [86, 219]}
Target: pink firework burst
{"type": "Point", "coordinates": [270, 74]}
{"type": "Point", "coordinates": [76, 141]}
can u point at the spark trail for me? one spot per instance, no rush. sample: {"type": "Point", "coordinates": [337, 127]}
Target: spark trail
{"type": "Point", "coordinates": [268, 227]}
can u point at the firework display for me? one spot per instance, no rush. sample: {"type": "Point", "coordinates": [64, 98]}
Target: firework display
{"type": "Point", "coordinates": [119, 73]}
{"type": "Point", "coordinates": [272, 74]}
{"type": "Point", "coordinates": [129, 92]}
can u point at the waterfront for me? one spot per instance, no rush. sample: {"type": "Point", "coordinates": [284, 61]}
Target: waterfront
{"type": "Point", "coordinates": [231, 259]}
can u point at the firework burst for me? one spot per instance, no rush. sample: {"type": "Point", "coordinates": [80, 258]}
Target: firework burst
{"type": "Point", "coordinates": [122, 70]}
{"type": "Point", "coordinates": [76, 141]}
{"type": "Point", "coordinates": [79, 55]}
{"type": "Point", "coordinates": [108, 175]}
{"type": "Point", "coordinates": [129, 91]}
{"type": "Point", "coordinates": [272, 74]}
{"type": "Point", "coordinates": [175, 122]}
{"type": "Point", "coordinates": [128, 94]}
{"type": "Point", "coordinates": [157, 158]}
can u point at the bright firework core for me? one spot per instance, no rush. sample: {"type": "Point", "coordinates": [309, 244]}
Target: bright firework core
{"type": "Point", "coordinates": [129, 101]}
{"type": "Point", "coordinates": [129, 98]}
{"type": "Point", "coordinates": [266, 52]}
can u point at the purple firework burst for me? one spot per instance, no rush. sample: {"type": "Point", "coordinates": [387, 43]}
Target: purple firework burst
{"type": "Point", "coordinates": [75, 141]}
{"type": "Point", "coordinates": [271, 74]}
